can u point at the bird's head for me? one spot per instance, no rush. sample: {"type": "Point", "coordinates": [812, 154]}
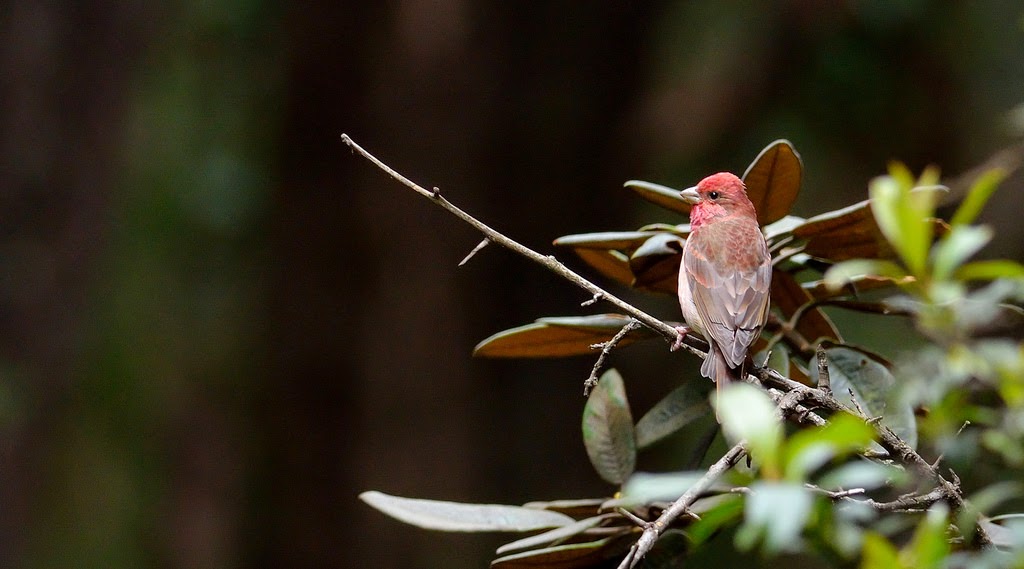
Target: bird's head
{"type": "Point", "coordinates": [718, 195]}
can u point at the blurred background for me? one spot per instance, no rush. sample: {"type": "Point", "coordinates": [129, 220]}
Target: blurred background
{"type": "Point", "coordinates": [218, 326]}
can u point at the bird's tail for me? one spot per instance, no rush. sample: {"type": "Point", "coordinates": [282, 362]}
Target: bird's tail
{"type": "Point", "coordinates": [718, 370]}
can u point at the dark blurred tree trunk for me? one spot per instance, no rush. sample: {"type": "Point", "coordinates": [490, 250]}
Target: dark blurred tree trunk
{"type": "Point", "coordinates": [373, 322]}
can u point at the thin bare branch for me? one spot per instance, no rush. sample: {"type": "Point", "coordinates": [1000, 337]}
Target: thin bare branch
{"type": "Point", "coordinates": [606, 348]}
{"type": "Point", "coordinates": [653, 530]}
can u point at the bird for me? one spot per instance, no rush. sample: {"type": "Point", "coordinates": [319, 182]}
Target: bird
{"type": "Point", "coordinates": [725, 276]}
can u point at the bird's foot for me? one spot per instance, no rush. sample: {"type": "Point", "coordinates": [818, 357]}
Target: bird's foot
{"type": "Point", "coordinates": [682, 331]}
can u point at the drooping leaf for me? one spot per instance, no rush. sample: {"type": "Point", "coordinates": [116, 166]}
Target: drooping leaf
{"type": "Point", "coordinates": [557, 534]}
{"type": "Point", "coordinates": [578, 508]}
{"type": "Point", "coordinates": [977, 197]}
{"type": "Point", "coordinates": [647, 487]}
{"type": "Point", "coordinates": [788, 296]}
{"type": "Point", "coordinates": [990, 270]}
{"type": "Point", "coordinates": [879, 553]}
{"type": "Point", "coordinates": [612, 264]}
{"type": "Point", "coordinates": [557, 337]}
{"type": "Point", "coordinates": [455, 516]}
{"type": "Point", "coordinates": [676, 410]}
{"type": "Point", "coordinates": [605, 240]}
{"type": "Point", "coordinates": [808, 450]}
{"type": "Point", "coordinates": [748, 414]}
{"type": "Point", "coordinates": [663, 196]}
{"type": "Point", "coordinates": [572, 556]}
{"type": "Point", "coordinates": [775, 515]}
{"type": "Point", "coordinates": [960, 244]}
{"type": "Point", "coordinates": [655, 264]}
{"type": "Point", "coordinates": [868, 376]}
{"type": "Point", "coordinates": [608, 429]}
{"type": "Point", "coordinates": [773, 181]}
{"type": "Point", "coordinates": [841, 275]}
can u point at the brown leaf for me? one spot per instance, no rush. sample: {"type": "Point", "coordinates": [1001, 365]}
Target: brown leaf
{"type": "Point", "coordinates": [655, 264]}
{"type": "Point", "coordinates": [773, 181]}
{"type": "Point", "coordinates": [788, 296]}
{"type": "Point", "coordinates": [558, 337]}
{"type": "Point", "coordinates": [612, 264]}
{"type": "Point", "coordinates": [663, 196]}
{"type": "Point", "coordinates": [605, 240]}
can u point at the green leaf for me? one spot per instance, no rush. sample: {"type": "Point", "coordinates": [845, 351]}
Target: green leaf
{"type": "Point", "coordinates": [930, 546]}
{"type": "Point", "coordinates": [773, 181]}
{"type": "Point", "coordinates": [726, 512]}
{"type": "Point", "coordinates": [558, 337]}
{"type": "Point", "coordinates": [879, 553]}
{"type": "Point", "coordinates": [847, 272]}
{"type": "Point", "coordinates": [455, 516]}
{"type": "Point", "coordinates": [573, 556]}
{"type": "Point", "coordinates": [775, 514]}
{"type": "Point", "coordinates": [748, 414]}
{"type": "Point", "coordinates": [608, 429]}
{"type": "Point", "coordinates": [663, 196]}
{"type": "Point", "coordinates": [647, 487]}
{"type": "Point", "coordinates": [869, 378]}
{"type": "Point", "coordinates": [862, 474]}
{"type": "Point", "coordinates": [990, 270]}
{"type": "Point", "coordinates": [554, 535]}
{"type": "Point", "coordinates": [960, 244]}
{"type": "Point", "coordinates": [977, 197]}
{"type": "Point", "coordinates": [676, 410]}
{"type": "Point", "coordinates": [655, 264]}
{"type": "Point", "coordinates": [808, 450]}
{"type": "Point", "coordinates": [903, 216]}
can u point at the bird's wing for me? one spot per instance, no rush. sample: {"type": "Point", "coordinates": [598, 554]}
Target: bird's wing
{"type": "Point", "coordinates": [730, 272]}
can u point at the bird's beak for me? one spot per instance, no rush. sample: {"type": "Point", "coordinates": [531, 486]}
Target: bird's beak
{"type": "Point", "coordinates": [690, 195]}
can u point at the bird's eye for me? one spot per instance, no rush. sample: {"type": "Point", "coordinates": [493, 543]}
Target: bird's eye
{"type": "Point", "coordinates": [713, 195]}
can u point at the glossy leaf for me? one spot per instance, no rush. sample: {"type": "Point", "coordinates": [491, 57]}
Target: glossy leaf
{"type": "Point", "coordinates": [578, 508]}
{"type": "Point", "coordinates": [612, 264]}
{"type": "Point", "coordinates": [605, 240]}
{"type": "Point", "coordinates": [608, 429]}
{"type": "Point", "coordinates": [676, 410]}
{"type": "Point", "coordinates": [663, 196]}
{"type": "Point", "coordinates": [773, 181]}
{"type": "Point", "coordinates": [572, 556]}
{"type": "Point", "coordinates": [455, 516]}
{"type": "Point", "coordinates": [788, 296]}
{"type": "Point", "coordinates": [554, 535]}
{"type": "Point", "coordinates": [557, 337]}
{"type": "Point", "coordinates": [655, 264]}
{"type": "Point", "coordinates": [872, 384]}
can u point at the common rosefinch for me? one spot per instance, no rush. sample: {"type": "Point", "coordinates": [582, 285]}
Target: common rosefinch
{"type": "Point", "coordinates": [725, 275]}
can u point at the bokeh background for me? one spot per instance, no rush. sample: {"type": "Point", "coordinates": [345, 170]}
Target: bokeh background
{"type": "Point", "coordinates": [218, 326]}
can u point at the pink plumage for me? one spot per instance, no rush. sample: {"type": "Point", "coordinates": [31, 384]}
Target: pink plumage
{"type": "Point", "coordinates": [725, 276]}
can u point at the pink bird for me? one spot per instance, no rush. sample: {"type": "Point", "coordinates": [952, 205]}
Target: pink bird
{"type": "Point", "coordinates": [725, 276]}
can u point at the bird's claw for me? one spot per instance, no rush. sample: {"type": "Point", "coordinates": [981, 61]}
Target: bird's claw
{"type": "Point", "coordinates": [682, 331]}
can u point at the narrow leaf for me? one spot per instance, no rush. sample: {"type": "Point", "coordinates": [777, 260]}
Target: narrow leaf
{"type": "Point", "coordinates": [773, 181]}
{"type": "Point", "coordinates": [455, 516]}
{"type": "Point", "coordinates": [990, 270]}
{"type": "Point", "coordinates": [574, 556]}
{"type": "Point", "coordinates": [605, 240]}
{"type": "Point", "coordinates": [557, 337]}
{"type": "Point", "coordinates": [554, 535]}
{"type": "Point", "coordinates": [977, 197]}
{"type": "Point", "coordinates": [960, 244]}
{"type": "Point", "coordinates": [663, 196]}
{"type": "Point", "coordinates": [608, 429]}
{"type": "Point", "coordinates": [676, 410]}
